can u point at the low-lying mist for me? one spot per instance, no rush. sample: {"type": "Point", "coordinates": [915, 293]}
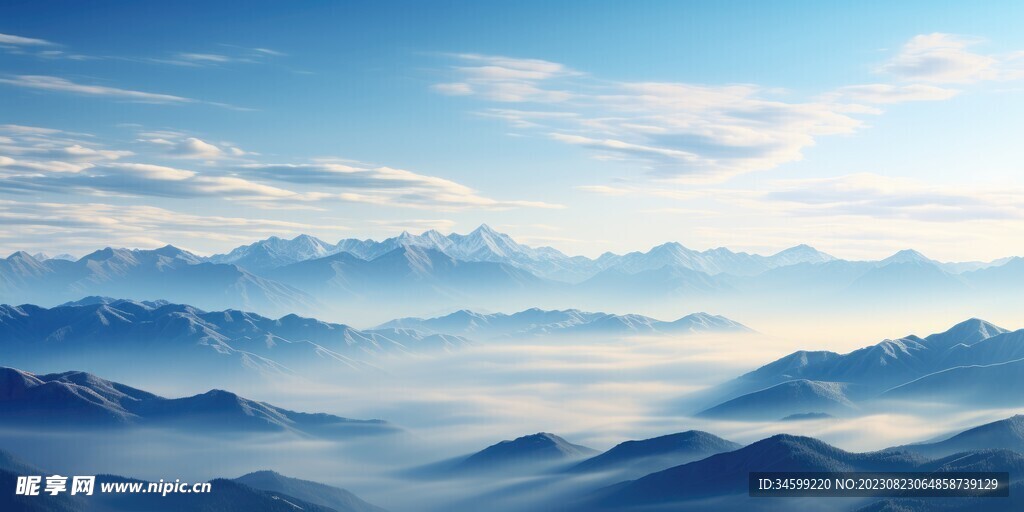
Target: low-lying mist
{"type": "Point", "coordinates": [592, 391]}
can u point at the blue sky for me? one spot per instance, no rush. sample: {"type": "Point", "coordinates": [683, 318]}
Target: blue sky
{"type": "Point", "coordinates": [860, 128]}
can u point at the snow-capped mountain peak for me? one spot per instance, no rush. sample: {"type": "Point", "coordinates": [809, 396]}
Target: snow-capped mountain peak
{"type": "Point", "coordinates": [906, 256]}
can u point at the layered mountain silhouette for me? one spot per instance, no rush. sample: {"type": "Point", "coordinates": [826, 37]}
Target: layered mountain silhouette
{"type": "Point", "coordinates": [724, 476]}
{"type": "Point", "coordinates": [973, 361]}
{"type": "Point", "coordinates": [727, 473]}
{"type": "Point", "coordinates": [664, 281]}
{"type": "Point", "coordinates": [976, 385]}
{"type": "Point", "coordinates": [484, 244]}
{"type": "Point", "coordinates": [709, 473]}
{"type": "Point", "coordinates": [1007, 434]}
{"type": "Point", "coordinates": [73, 400]}
{"type": "Point", "coordinates": [632, 459]}
{"type": "Point", "coordinates": [786, 400]}
{"type": "Point", "coordinates": [169, 273]}
{"type": "Point", "coordinates": [425, 273]}
{"type": "Point", "coordinates": [406, 272]}
{"type": "Point", "coordinates": [907, 270]}
{"type": "Point", "coordinates": [221, 340]}
{"type": "Point", "coordinates": [535, 321]}
{"type": "Point", "coordinates": [481, 245]}
{"type": "Point", "coordinates": [712, 261]}
{"type": "Point", "coordinates": [696, 470]}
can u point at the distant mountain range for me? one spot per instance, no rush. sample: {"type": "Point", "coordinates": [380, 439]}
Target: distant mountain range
{"type": "Point", "coordinates": [405, 274]}
{"type": "Point", "coordinates": [537, 322]}
{"type": "Point", "coordinates": [115, 330]}
{"type": "Point", "coordinates": [111, 334]}
{"type": "Point", "coordinates": [484, 244]}
{"type": "Point", "coordinates": [485, 268]}
{"type": "Point", "coordinates": [75, 400]}
{"type": "Point", "coordinates": [166, 273]}
{"type": "Point", "coordinates": [972, 362]}
{"type": "Point", "coordinates": [263, 491]}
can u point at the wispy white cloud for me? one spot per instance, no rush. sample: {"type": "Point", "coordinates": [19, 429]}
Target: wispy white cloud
{"type": "Point", "coordinates": [888, 93]}
{"type": "Point", "coordinates": [941, 58]}
{"type": "Point", "coordinates": [607, 190]}
{"type": "Point", "coordinates": [872, 195]}
{"type": "Point", "coordinates": [227, 54]}
{"type": "Point", "coordinates": [857, 216]}
{"type": "Point", "coordinates": [851, 195]}
{"type": "Point", "coordinates": [268, 51]}
{"type": "Point", "coordinates": [674, 130]}
{"type": "Point", "coordinates": [698, 132]}
{"type": "Point", "coordinates": [52, 83]}
{"type": "Point", "coordinates": [43, 160]}
{"type": "Point", "coordinates": [57, 84]}
{"type": "Point", "coordinates": [21, 129]}
{"type": "Point", "coordinates": [204, 57]}
{"type": "Point", "coordinates": [195, 148]}
{"type": "Point", "coordinates": [454, 89]}
{"type": "Point", "coordinates": [384, 186]}
{"type": "Point", "coordinates": [139, 179]}
{"type": "Point", "coordinates": [628, 149]}
{"type": "Point", "coordinates": [414, 225]}
{"type": "Point", "coordinates": [506, 79]}
{"type": "Point", "coordinates": [23, 41]}
{"type": "Point", "coordinates": [71, 153]}
{"type": "Point", "coordinates": [8, 163]}
{"type": "Point", "coordinates": [28, 146]}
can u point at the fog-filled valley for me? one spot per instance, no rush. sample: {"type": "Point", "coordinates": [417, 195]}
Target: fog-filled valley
{"type": "Point", "coordinates": [519, 410]}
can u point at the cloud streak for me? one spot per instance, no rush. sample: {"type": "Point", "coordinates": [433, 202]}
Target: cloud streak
{"type": "Point", "coordinates": [698, 132]}
{"type": "Point", "coordinates": [56, 84]}
{"type": "Point", "coordinates": [137, 179]}
{"type": "Point", "coordinates": [888, 93]}
{"type": "Point", "coordinates": [941, 58]}
{"type": "Point", "coordinates": [384, 186]}
{"type": "Point", "coordinates": [674, 130]}
{"type": "Point", "coordinates": [23, 41]}
{"type": "Point", "coordinates": [872, 195]}
{"type": "Point", "coordinates": [48, 161]}
{"type": "Point", "coordinates": [62, 85]}
{"type": "Point", "coordinates": [505, 79]}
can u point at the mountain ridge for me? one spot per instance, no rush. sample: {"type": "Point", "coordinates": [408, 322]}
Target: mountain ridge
{"type": "Point", "coordinates": [536, 321]}
{"type": "Point", "coordinates": [909, 367]}
{"type": "Point", "coordinates": [73, 400]}
{"type": "Point", "coordinates": [228, 339]}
